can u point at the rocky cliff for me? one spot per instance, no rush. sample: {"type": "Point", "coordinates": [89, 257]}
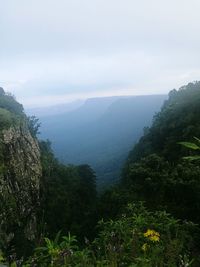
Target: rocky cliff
{"type": "Point", "coordinates": [20, 174]}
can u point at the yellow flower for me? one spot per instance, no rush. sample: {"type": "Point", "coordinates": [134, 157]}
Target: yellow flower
{"type": "Point", "coordinates": [145, 247]}
{"type": "Point", "coordinates": [152, 235]}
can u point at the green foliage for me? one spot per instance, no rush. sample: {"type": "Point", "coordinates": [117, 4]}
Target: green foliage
{"type": "Point", "coordinates": [8, 102]}
{"type": "Point", "coordinates": [34, 125]}
{"type": "Point", "coordinates": [164, 185]}
{"type": "Point", "coordinates": [138, 238]}
{"type": "Point", "coordinates": [192, 146]}
{"type": "Point", "coordinates": [7, 119]}
{"type": "Point", "coordinates": [11, 112]}
{"type": "Point", "coordinates": [155, 171]}
{"type": "Point", "coordinates": [178, 120]}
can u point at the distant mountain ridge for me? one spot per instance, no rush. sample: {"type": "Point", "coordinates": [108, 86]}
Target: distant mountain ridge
{"type": "Point", "coordinates": [101, 132]}
{"type": "Point", "coordinates": [55, 109]}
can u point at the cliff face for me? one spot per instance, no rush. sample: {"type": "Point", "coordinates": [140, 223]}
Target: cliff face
{"type": "Point", "coordinates": [20, 174]}
{"type": "Point", "coordinates": [21, 178]}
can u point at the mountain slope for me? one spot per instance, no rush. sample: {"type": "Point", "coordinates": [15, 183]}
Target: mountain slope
{"type": "Point", "coordinates": [178, 120]}
{"type": "Point", "coordinates": [156, 171]}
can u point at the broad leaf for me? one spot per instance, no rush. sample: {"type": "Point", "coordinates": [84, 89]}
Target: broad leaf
{"type": "Point", "coordinates": [191, 158]}
{"type": "Point", "coordinates": [190, 145]}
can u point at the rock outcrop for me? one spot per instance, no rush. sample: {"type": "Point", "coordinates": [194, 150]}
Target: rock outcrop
{"type": "Point", "coordinates": [20, 175]}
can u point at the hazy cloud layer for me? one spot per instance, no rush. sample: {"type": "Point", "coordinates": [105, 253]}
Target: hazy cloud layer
{"type": "Point", "coordinates": [54, 51]}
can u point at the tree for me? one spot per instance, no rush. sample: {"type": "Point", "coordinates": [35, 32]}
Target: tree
{"type": "Point", "coordinates": [34, 125]}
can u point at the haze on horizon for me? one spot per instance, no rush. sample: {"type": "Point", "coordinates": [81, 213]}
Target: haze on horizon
{"type": "Point", "coordinates": [57, 51]}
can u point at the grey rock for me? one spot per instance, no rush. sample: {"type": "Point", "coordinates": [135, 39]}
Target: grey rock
{"type": "Point", "coordinates": [20, 180]}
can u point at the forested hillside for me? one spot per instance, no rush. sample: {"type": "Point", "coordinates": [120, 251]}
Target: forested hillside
{"type": "Point", "coordinates": [155, 171]}
{"type": "Point", "coordinates": [178, 120]}
{"type": "Point", "coordinates": [101, 132]}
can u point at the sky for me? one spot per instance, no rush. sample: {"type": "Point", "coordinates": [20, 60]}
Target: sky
{"type": "Point", "coordinates": [56, 51]}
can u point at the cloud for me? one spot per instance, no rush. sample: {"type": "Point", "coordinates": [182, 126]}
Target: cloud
{"type": "Point", "coordinates": [51, 49]}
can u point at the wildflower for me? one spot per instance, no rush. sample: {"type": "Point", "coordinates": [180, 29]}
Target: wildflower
{"type": "Point", "coordinates": [152, 235]}
{"type": "Point", "coordinates": [145, 247]}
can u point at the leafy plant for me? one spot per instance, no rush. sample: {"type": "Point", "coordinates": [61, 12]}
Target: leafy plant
{"type": "Point", "coordinates": [192, 146]}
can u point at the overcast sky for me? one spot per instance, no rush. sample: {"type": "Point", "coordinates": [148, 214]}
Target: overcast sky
{"type": "Point", "coordinates": [53, 51]}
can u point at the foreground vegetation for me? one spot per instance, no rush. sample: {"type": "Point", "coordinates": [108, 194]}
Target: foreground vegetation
{"type": "Point", "coordinates": [138, 238]}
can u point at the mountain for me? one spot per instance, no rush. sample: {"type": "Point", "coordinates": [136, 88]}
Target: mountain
{"type": "Point", "coordinates": [101, 132]}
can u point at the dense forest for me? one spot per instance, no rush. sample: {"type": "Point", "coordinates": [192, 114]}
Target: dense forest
{"type": "Point", "coordinates": [149, 219]}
